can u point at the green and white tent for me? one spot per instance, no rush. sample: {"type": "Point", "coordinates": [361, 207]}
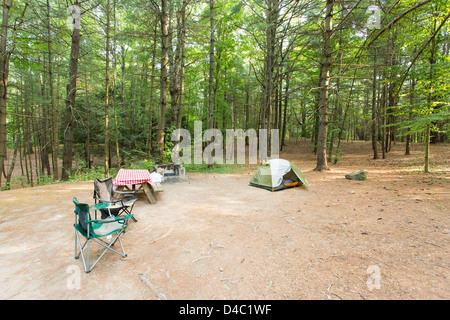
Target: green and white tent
{"type": "Point", "coordinates": [278, 174]}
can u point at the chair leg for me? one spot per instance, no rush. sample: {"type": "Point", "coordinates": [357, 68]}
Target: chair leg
{"type": "Point", "coordinates": [85, 248]}
{"type": "Point", "coordinates": [87, 255]}
{"type": "Point", "coordinates": [109, 245]}
{"type": "Point", "coordinates": [76, 236]}
{"type": "Point", "coordinates": [82, 248]}
{"type": "Point", "coordinates": [128, 211]}
{"type": "Point", "coordinates": [131, 209]}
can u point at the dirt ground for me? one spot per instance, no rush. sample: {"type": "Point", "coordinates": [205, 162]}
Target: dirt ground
{"type": "Point", "coordinates": [215, 237]}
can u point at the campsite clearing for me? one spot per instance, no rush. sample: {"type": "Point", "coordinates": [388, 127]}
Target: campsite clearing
{"type": "Point", "coordinates": [215, 237]}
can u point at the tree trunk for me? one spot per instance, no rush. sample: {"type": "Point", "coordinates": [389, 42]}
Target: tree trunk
{"type": "Point", "coordinates": [163, 91]}
{"type": "Point", "coordinates": [43, 130]}
{"type": "Point", "coordinates": [70, 103]}
{"type": "Point", "coordinates": [324, 87]}
{"type": "Point", "coordinates": [383, 127]}
{"type": "Point", "coordinates": [4, 73]}
{"type": "Point", "coordinates": [107, 151]}
{"type": "Point", "coordinates": [211, 72]}
{"type": "Point", "coordinates": [211, 66]}
{"type": "Point", "coordinates": [13, 162]}
{"type": "Point", "coordinates": [116, 126]}
{"type": "Point", "coordinates": [430, 98]}
{"type": "Point", "coordinates": [286, 99]}
{"type": "Point", "coordinates": [53, 109]}
{"type": "Point", "coordinates": [174, 72]}
{"type": "Point", "coordinates": [374, 109]}
{"type": "Point", "coordinates": [232, 104]}
{"type": "Point", "coordinates": [182, 45]}
{"type": "Point", "coordinates": [337, 109]}
{"type": "Point", "coordinates": [269, 64]}
{"type": "Point", "coordinates": [150, 108]}
{"type": "Point", "coordinates": [58, 90]}
{"type": "Point", "coordinates": [411, 102]}
{"type": "Point", "coordinates": [88, 129]}
{"type": "Point", "coordinates": [247, 102]}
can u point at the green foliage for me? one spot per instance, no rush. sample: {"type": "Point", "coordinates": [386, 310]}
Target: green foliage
{"type": "Point", "coordinates": [216, 168]}
{"type": "Point", "coordinates": [86, 174]}
{"type": "Point", "coordinates": [168, 145]}
{"type": "Point", "coordinates": [140, 164]}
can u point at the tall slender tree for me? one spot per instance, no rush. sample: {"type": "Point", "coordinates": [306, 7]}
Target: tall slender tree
{"type": "Point", "coordinates": [211, 72]}
{"type": "Point", "coordinates": [5, 54]}
{"type": "Point", "coordinates": [164, 66]}
{"type": "Point", "coordinates": [324, 88]}
{"type": "Point", "coordinates": [107, 139]}
{"type": "Point", "coordinates": [70, 100]}
{"type": "Point", "coordinates": [53, 111]}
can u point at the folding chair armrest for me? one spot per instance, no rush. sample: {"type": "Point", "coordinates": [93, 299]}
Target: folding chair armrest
{"type": "Point", "coordinates": [108, 201]}
{"type": "Point", "coordinates": [119, 218]}
{"type": "Point", "coordinates": [98, 206]}
{"type": "Point", "coordinates": [128, 216]}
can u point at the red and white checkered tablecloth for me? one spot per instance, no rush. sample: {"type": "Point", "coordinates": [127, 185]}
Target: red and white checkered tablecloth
{"type": "Point", "coordinates": [128, 177]}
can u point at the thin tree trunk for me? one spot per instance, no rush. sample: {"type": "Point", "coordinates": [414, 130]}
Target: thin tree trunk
{"type": "Point", "coordinates": [58, 90]}
{"type": "Point", "coordinates": [211, 66]}
{"type": "Point", "coordinates": [211, 72]}
{"type": "Point", "coordinates": [383, 127]}
{"type": "Point", "coordinates": [269, 64]}
{"type": "Point", "coordinates": [4, 74]}
{"type": "Point", "coordinates": [247, 102]}
{"type": "Point", "coordinates": [324, 87]}
{"type": "Point", "coordinates": [53, 109]}
{"type": "Point", "coordinates": [13, 162]}
{"type": "Point", "coordinates": [427, 149]}
{"type": "Point", "coordinates": [173, 73]}
{"type": "Point", "coordinates": [411, 102]}
{"type": "Point", "coordinates": [374, 109]}
{"type": "Point", "coordinates": [116, 126]}
{"type": "Point", "coordinates": [286, 99]}
{"type": "Point", "coordinates": [43, 129]}
{"type": "Point", "coordinates": [107, 151]}
{"type": "Point", "coordinates": [429, 100]}
{"type": "Point", "coordinates": [336, 110]}
{"type": "Point", "coordinates": [232, 104]}
{"type": "Point", "coordinates": [182, 45]}
{"type": "Point", "coordinates": [150, 107]}
{"type": "Point", "coordinates": [163, 90]}
{"type": "Point", "coordinates": [70, 103]}
{"type": "Point", "coordinates": [88, 119]}
{"type": "Point", "coordinates": [123, 67]}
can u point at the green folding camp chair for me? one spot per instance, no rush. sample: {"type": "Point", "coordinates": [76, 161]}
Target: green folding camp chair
{"type": "Point", "coordinates": [94, 230]}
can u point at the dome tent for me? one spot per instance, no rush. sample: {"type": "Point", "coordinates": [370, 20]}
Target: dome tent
{"type": "Point", "coordinates": [278, 174]}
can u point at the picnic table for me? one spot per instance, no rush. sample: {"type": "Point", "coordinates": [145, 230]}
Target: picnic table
{"type": "Point", "coordinates": [133, 177]}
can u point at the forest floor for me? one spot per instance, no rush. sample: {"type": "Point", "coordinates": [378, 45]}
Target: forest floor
{"type": "Point", "coordinates": [215, 237]}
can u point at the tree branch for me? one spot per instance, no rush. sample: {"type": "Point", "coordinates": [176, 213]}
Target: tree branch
{"type": "Point", "coordinates": [420, 52]}
{"type": "Point", "coordinates": [16, 27]}
{"type": "Point", "coordinates": [389, 26]}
